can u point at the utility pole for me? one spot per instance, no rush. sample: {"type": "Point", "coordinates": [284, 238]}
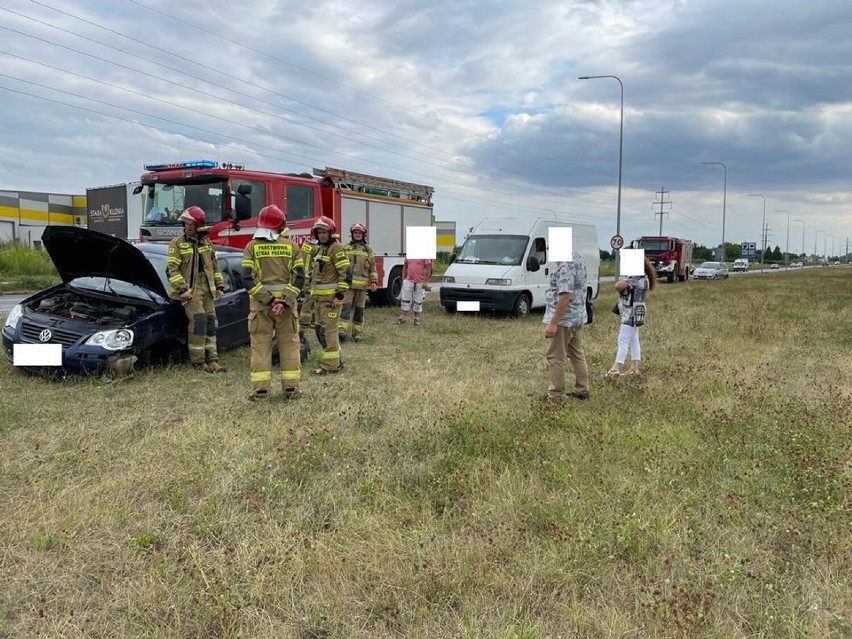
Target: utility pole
{"type": "Point", "coordinates": [662, 193]}
{"type": "Point", "coordinates": [846, 254]}
{"type": "Point", "coordinates": [765, 241]}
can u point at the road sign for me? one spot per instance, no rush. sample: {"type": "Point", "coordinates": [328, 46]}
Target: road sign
{"type": "Point", "coordinates": [616, 242]}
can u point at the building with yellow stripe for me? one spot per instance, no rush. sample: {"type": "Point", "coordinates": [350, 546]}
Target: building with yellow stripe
{"type": "Point", "coordinates": [25, 214]}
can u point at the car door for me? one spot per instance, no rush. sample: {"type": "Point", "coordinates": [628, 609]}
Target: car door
{"type": "Point", "coordinates": [232, 309]}
{"type": "Point", "coordinates": [538, 282]}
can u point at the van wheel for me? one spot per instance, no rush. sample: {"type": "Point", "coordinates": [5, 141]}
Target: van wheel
{"type": "Point", "coordinates": [522, 306]}
{"type": "Point", "coordinates": [450, 308]}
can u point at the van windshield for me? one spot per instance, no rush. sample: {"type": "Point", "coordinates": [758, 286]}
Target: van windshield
{"type": "Point", "coordinates": [507, 250]}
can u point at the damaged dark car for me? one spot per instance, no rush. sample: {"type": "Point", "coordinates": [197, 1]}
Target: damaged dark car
{"type": "Point", "coordinates": [112, 311]}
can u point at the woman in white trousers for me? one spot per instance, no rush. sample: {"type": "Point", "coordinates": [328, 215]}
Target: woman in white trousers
{"type": "Point", "coordinates": [632, 291]}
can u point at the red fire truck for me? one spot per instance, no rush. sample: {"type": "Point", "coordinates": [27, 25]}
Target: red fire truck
{"type": "Point", "coordinates": [671, 256]}
{"type": "Point", "coordinates": [232, 197]}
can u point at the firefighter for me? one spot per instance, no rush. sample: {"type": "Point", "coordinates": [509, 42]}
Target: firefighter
{"type": "Point", "coordinates": [362, 263]}
{"type": "Point", "coordinates": [330, 277]}
{"type": "Point", "coordinates": [273, 276]}
{"type": "Point", "coordinates": [306, 312]}
{"type": "Point", "coordinates": [195, 280]}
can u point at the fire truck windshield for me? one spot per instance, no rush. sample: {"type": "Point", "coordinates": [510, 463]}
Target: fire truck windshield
{"type": "Point", "coordinates": [164, 202]}
{"type": "Point", "coordinates": [654, 246]}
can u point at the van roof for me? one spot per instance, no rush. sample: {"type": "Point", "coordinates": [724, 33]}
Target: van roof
{"type": "Point", "coordinates": [521, 225]}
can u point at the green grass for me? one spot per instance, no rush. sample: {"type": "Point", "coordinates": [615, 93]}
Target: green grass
{"type": "Point", "coordinates": [428, 492]}
{"type": "Point", "coordinates": [25, 269]}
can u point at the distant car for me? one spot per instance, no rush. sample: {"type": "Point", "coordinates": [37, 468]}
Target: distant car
{"type": "Point", "coordinates": [711, 271]}
{"type": "Point", "coordinates": [113, 304]}
{"type": "Point", "coordinates": [795, 265]}
{"type": "Point", "coordinates": [773, 267]}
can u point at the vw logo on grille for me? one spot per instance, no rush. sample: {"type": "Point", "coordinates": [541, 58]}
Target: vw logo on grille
{"type": "Point", "coordinates": [45, 336]}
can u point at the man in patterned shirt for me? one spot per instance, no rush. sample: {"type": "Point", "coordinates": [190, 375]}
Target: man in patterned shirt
{"type": "Point", "coordinates": [564, 317]}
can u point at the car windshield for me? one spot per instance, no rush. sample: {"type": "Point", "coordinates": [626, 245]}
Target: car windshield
{"type": "Point", "coordinates": [710, 265]}
{"type": "Point", "coordinates": [493, 249]}
{"type": "Point", "coordinates": [127, 289]}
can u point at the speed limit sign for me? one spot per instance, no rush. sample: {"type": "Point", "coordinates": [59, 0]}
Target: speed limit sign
{"type": "Point", "coordinates": [616, 242]}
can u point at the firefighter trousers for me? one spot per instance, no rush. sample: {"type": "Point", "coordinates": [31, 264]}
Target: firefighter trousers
{"type": "Point", "coordinates": [201, 333]}
{"type": "Point", "coordinates": [306, 315]}
{"type": "Point", "coordinates": [263, 325]}
{"type": "Point", "coordinates": [353, 303]}
{"type": "Point", "coordinates": [327, 318]}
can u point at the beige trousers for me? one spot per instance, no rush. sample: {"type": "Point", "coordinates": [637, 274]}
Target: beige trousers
{"type": "Point", "coordinates": [566, 345]}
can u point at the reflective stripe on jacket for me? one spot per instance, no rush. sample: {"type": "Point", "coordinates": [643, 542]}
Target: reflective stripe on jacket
{"type": "Point", "coordinates": [330, 266]}
{"type": "Point", "coordinates": [185, 259]}
{"type": "Point", "coordinates": [273, 270]}
{"type": "Point", "coordinates": [362, 261]}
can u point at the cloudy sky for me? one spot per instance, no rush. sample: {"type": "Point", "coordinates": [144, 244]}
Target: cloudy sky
{"type": "Point", "coordinates": [477, 98]}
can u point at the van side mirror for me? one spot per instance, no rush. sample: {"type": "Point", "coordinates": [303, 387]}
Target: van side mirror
{"type": "Point", "coordinates": [244, 189]}
{"type": "Point", "coordinates": [137, 190]}
{"type": "Point", "coordinates": [533, 264]}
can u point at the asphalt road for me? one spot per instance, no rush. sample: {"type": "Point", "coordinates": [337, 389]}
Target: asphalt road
{"type": "Point", "coordinates": [7, 302]}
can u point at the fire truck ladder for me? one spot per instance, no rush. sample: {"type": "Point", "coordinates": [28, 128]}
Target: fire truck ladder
{"type": "Point", "coordinates": [363, 183]}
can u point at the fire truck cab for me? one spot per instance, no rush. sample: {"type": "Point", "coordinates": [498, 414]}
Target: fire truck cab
{"type": "Point", "coordinates": [671, 256]}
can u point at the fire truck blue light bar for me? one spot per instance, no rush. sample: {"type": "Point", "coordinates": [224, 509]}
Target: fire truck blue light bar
{"type": "Point", "coordinates": [198, 164]}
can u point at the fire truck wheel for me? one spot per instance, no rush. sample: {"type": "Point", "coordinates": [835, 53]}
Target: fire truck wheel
{"type": "Point", "coordinates": [670, 277]}
{"type": "Point", "coordinates": [522, 306]}
{"type": "Point", "coordinates": [394, 289]}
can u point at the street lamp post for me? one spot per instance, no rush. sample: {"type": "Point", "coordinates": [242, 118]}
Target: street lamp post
{"type": "Point", "coordinates": [816, 239]}
{"type": "Point", "coordinates": [787, 249]}
{"type": "Point", "coordinates": [724, 201]}
{"type": "Point", "coordinates": [762, 228]}
{"type": "Point", "coordinates": [803, 238]}
{"type": "Point", "coordinates": [816, 235]}
{"type": "Point", "coordinates": [620, 156]}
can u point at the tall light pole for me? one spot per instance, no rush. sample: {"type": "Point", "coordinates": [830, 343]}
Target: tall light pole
{"type": "Point", "coordinates": [620, 156]}
{"type": "Point", "coordinates": [762, 228]}
{"type": "Point", "coordinates": [816, 235]}
{"type": "Point", "coordinates": [724, 202]}
{"type": "Point", "coordinates": [823, 242]}
{"type": "Point", "coordinates": [787, 249]}
{"type": "Point", "coordinates": [803, 238]}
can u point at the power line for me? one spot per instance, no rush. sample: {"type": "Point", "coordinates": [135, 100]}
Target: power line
{"type": "Point", "coordinates": [449, 192]}
{"type": "Point", "coordinates": [156, 77]}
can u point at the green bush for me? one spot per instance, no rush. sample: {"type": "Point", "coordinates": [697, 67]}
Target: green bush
{"type": "Point", "coordinates": [17, 259]}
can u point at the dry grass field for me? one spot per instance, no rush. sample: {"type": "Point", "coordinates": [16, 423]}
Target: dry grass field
{"type": "Point", "coordinates": [428, 491]}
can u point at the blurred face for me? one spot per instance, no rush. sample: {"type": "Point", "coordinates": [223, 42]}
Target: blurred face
{"type": "Point", "coordinates": [358, 236]}
{"type": "Point", "coordinates": [190, 230]}
{"type": "Point", "coordinates": [323, 235]}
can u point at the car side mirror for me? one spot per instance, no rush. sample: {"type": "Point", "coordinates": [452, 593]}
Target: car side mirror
{"type": "Point", "coordinates": [533, 264]}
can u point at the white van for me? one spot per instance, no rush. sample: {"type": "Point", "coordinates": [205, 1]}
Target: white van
{"type": "Point", "coordinates": [740, 265]}
{"type": "Point", "coordinates": [505, 264]}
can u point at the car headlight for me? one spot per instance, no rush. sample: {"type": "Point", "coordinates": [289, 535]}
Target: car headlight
{"type": "Point", "coordinates": [448, 279]}
{"type": "Point", "coordinates": [14, 315]}
{"type": "Point", "coordinates": [497, 282]}
{"type": "Point", "coordinates": [114, 340]}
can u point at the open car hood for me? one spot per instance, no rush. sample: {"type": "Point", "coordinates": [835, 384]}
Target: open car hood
{"type": "Point", "coordinates": [78, 252]}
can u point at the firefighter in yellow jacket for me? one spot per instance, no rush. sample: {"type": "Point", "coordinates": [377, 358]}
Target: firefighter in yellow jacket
{"type": "Point", "coordinates": [306, 312]}
{"type": "Point", "coordinates": [362, 263]}
{"type": "Point", "coordinates": [195, 280]}
{"type": "Point", "coordinates": [273, 276]}
{"type": "Point", "coordinates": [330, 277]}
